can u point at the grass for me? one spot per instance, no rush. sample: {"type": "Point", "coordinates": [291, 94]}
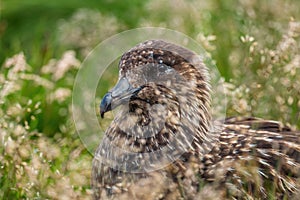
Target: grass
{"type": "Point", "coordinates": [255, 45]}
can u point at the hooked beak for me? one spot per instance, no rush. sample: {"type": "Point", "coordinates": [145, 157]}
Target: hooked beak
{"type": "Point", "coordinates": [119, 95]}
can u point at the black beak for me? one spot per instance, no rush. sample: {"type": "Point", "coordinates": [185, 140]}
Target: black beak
{"type": "Point", "coordinates": [120, 94]}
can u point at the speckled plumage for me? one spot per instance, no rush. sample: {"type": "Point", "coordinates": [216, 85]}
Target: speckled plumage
{"type": "Point", "coordinates": [248, 157]}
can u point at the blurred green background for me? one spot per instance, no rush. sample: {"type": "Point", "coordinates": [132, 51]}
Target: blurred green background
{"type": "Point", "coordinates": [254, 43]}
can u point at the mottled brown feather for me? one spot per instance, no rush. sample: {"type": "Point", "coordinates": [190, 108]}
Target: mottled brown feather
{"type": "Point", "coordinates": [251, 158]}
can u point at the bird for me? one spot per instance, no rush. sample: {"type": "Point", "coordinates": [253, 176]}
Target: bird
{"type": "Point", "coordinates": [164, 144]}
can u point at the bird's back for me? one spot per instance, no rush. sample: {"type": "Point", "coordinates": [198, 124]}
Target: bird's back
{"type": "Point", "coordinates": [253, 158]}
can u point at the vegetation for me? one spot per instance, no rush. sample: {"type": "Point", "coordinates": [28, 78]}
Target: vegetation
{"type": "Point", "coordinates": [255, 44]}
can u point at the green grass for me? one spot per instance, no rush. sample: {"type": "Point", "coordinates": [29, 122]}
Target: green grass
{"type": "Point", "coordinates": [28, 25]}
{"type": "Point", "coordinates": [255, 46]}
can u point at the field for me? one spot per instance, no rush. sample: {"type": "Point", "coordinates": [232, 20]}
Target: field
{"type": "Point", "coordinates": [254, 43]}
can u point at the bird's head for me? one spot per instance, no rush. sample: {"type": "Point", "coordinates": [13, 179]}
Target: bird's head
{"type": "Point", "coordinates": [163, 90]}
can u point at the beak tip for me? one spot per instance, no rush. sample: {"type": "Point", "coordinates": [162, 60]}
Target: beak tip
{"type": "Point", "coordinates": [102, 114]}
{"type": "Point", "coordinates": [105, 104]}
{"type": "Point", "coordinates": [120, 94]}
